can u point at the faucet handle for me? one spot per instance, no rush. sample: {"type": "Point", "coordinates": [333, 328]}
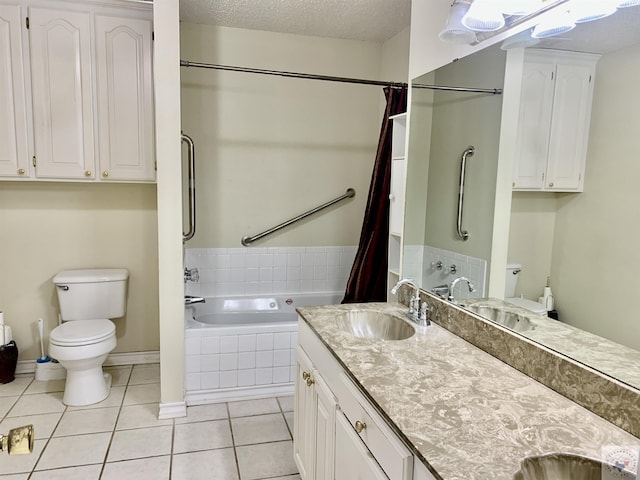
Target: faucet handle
{"type": "Point", "coordinates": [424, 308]}
{"type": "Point", "coordinates": [412, 304]}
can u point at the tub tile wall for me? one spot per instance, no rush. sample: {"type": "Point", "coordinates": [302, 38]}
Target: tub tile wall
{"type": "Point", "coordinates": [272, 270]}
{"type": "Point", "coordinates": [216, 361]}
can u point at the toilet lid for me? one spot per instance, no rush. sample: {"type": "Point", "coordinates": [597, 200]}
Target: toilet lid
{"type": "Point", "coordinates": [82, 332]}
{"type": "Point", "coordinates": [527, 304]}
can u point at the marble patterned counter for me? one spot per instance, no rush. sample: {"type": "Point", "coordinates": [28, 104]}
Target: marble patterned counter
{"type": "Point", "coordinates": [464, 412]}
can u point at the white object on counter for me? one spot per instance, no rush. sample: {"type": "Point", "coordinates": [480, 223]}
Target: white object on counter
{"type": "Point", "coordinates": [547, 298]}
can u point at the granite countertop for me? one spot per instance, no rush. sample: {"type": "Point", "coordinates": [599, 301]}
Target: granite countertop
{"type": "Point", "coordinates": [461, 410]}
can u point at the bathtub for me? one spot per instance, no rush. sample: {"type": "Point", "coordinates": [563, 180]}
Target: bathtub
{"type": "Point", "coordinates": [243, 347]}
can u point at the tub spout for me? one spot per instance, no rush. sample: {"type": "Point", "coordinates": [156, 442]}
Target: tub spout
{"type": "Point", "coordinates": [190, 300]}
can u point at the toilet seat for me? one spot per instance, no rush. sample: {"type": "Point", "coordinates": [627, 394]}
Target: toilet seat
{"type": "Point", "coordinates": [82, 332]}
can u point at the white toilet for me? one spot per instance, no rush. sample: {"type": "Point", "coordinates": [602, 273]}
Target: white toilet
{"type": "Point", "coordinates": [88, 299]}
{"type": "Point", "coordinates": [513, 270]}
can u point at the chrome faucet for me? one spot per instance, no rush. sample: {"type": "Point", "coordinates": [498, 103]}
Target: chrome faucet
{"type": "Point", "coordinates": [190, 300]}
{"type": "Point", "coordinates": [417, 312]}
{"type": "Point", "coordinates": [191, 275]}
{"type": "Point", "coordinates": [455, 282]}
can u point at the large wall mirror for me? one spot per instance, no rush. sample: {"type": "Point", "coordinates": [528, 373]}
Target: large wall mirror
{"type": "Point", "coordinates": [583, 244]}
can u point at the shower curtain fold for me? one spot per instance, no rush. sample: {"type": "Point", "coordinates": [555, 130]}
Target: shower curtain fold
{"type": "Point", "coordinates": [368, 279]}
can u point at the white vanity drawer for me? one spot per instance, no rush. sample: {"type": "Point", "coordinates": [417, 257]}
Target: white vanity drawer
{"type": "Point", "coordinates": [392, 455]}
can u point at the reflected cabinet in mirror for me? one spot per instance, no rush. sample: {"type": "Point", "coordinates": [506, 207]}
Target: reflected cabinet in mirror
{"type": "Point", "coordinates": [567, 132]}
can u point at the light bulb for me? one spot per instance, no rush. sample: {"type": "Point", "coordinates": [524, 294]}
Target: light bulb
{"type": "Point", "coordinates": [454, 31]}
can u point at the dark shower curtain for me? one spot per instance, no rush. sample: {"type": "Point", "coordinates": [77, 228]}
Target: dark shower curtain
{"type": "Point", "coordinates": [368, 279]}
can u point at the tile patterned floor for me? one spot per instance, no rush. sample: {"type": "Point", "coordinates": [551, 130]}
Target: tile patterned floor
{"type": "Point", "coordinates": [121, 438]}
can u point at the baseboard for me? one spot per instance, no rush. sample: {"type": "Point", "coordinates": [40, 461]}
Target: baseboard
{"type": "Point", "coordinates": [115, 359]}
{"type": "Point", "coordinates": [172, 410]}
{"type": "Point", "coordinates": [203, 397]}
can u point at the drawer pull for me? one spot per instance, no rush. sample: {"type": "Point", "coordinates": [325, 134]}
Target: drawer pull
{"type": "Point", "coordinates": [310, 381]}
{"type": "Point", "coordinates": [305, 375]}
{"type": "Point", "coordinates": [360, 426]}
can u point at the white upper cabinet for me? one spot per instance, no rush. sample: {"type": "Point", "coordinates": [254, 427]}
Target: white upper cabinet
{"type": "Point", "coordinates": [85, 112]}
{"type": "Point", "coordinates": [14, 143]}
{"type": "Point", "coordinates": [125, 99]}
{"type": "Point", "coordinates": [553, 122]}
{"type": "Point", "coordinates": [62, 90]}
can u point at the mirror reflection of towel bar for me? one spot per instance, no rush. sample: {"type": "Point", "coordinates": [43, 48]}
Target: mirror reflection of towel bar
{"type": "Point", "coordinates": [463, 234]}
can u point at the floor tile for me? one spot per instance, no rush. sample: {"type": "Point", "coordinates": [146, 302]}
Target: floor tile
{"type": "Point", "coordinates": [94, 420]}
{"type": "Point", "coordinates": [155, 468]}
{"type": "Point", "coordinates": [288, 416]}
{"type": "Point", "coordinates": [43, 425]}
{"type": "Point", "coordinates": [113, 400]}
{"type": "Point", "coordinates": [259, 429]}
{"type": "Point", "coordinates": [145, 374]}
{"type": "Point", "coordinates": [17, 387]}
{"type": "Point", "coordinates": [72, 451]}
{"type": "Point", "coordinates": [17, 476]}
{"type": "Point", "coordinates": [199, 413]}
{"type": "Point", "coordinates": [119, 375]}
{"type": "Point", "coordinates": [38, 386]}
{"type": "Point", "coordinates": [245, 408]}
{"type": "Point", "coordinates": [140, 416]}
{"type": "Point", "coordinates": [266, 460]}
{"type": "Point", "coordinates": [87, 472]}
{"type": "Point", "coordinates": [22, 463]}
{"type": "Point", "coordinates": [140, 443]}
{"type": "Point", "coordinates": [37, 403]}
{"type": "Point", "coordinates": [208, 465]}
{"type": "Point", "coordinates": [139, 394]}
{"type": "Point", "coordinates": [286, 403]}
{"type": "Point", "coordinates": [191, 437]}
{"type": "Point", "coordinates": [6, 403]}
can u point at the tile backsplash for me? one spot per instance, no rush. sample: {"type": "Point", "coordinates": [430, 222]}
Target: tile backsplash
{"type": "Point", "coordinates": [271, 270]}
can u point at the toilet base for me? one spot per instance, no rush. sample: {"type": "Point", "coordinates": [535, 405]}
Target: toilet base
{"type": "Point", "coordinates": [86, 387]}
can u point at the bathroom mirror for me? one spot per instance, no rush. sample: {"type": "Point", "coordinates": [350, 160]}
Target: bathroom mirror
{"type": "Point", "coordinates": [584, 242]}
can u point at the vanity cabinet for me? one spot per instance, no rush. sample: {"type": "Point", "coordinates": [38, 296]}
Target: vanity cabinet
{"type": "Point", "coordinates": [338, 434]}
{"type": "Point", "coordinates": [553, 120]}
{"type": "Point", "coordinates": [85, 71]}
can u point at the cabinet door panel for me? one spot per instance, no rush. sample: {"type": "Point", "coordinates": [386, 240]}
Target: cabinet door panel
{"type": "Point", "coordinates": [304, 418]}
{"type": "Point", "coordinates": [125, 98]}
{"type": "Point", "coordinates": [325, 406]}
{"type": "Point", "coordinates": [569, 127]}
{"type": "Point", "coordinates": [352, 459]}
{"type": "Point", "coordinates": [14, 152]}
{"type": "Point", "coordinates": [533, 125]}
{"type": "Point", "coordinates": [62, 93]}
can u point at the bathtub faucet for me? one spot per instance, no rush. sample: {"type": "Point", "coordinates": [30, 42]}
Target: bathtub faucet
{"type": "Point", "coordinates": [190, 300]}
{"type": "Point", "coordinates": [191, 275]}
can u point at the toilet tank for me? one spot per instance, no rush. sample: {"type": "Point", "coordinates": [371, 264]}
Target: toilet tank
{"type": "Point", "coordinates": [91, 294]}
{"type": "Point", "coordinates": [513, 269]}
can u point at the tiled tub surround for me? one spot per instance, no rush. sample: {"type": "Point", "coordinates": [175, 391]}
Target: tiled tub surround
{"type": "Point", "coordinates": [272, 270]}
{"type": "Point", "coordinates": [420, 263]}
{"type": "Point", "coordinates": [610, 399]}
{"type": "Point", "coordinates": [250, 352]}
{"type": "Point", "coordinates": [465, 413]}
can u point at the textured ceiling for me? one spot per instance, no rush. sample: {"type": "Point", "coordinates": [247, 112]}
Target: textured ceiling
{"type": "Point", "coordinates": [375, 20]}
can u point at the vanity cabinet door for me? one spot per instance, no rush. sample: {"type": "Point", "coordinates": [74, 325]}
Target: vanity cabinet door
{"type": "Point", "coordinates": [62, 89]}
{"type": "Point", "coordinates": [14, 149]}
{"type": "Point", "coordinates": [125, 98]}
{"type": "Point", "coordinates": [304, 417]}
{"type": "Point", "coordinates": [325, 414]}
{"type": "Point", "coordinates": [353, 461]}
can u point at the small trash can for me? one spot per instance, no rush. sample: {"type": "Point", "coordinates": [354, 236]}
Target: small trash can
{"type": "Point", "coordinates": [8, 361]}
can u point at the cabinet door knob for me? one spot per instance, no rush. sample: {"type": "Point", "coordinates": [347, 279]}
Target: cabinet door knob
{"type": "Point", "coordinates": [392, 197]}
{"type": "Point", "coordinates": [360, 426]}
{"type": "Point", "coordinates": [305, 375]}
{"type": "Point", "coordinates": [310, 381]}
{"type": "Point", "coordinates": [105, 174]}
{"type": "Point", "coordinates": [87, 173]}
{"type": "Point", "coordinates": [21, 171]}
{"type": "Point", "coordinates": [551, 184]}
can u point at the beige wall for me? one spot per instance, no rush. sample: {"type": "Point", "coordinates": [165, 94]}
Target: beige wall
{"type": "Point", "coordinates": [269, 148]}
{"type": "Point", "coordinates": [48, 227]}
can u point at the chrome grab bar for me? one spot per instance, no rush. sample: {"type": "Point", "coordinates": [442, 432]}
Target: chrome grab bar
{"type": "Point", "coordinates": [246, 240]}
{"type": "Point", "coordinates": [192, 187]}
{"type": "Point", "coordinates": [463, 234]}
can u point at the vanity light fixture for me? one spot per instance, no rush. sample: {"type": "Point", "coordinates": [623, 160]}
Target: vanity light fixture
{"type": "Point", "coordinates": [556, 24]}
{"type": "Point", "coordinates": [588, 10]}
{"type": "Point", "coordinates": [520, 40]}
{"type": "Point", "coordinates": [520, 7]}
{"type": "Point", "coordinates": [454, 31]}
{"type": "Point", "coordinates": [628, 3]}
{"type": "Point", "coordinates": [484, 16]}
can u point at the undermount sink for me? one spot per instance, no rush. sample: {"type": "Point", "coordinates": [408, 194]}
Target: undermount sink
{"type": "Point", "coordinates": [512, 320]}
{"type": "Point", "coordinates": [569, 467]}
{"type": "Point", "coordinates": [374, 325]}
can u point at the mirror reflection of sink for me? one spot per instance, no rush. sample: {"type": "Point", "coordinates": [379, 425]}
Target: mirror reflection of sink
{"type": "Point", "coordinates": [512, 320]}
{"type": "Point", "coordinates": [568, 467]}
{"type": "Point", "coordinates": [374, 325]}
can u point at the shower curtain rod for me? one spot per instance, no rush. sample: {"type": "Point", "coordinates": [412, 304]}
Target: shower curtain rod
{"type": "Point", "coordinates": [328, 78]}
